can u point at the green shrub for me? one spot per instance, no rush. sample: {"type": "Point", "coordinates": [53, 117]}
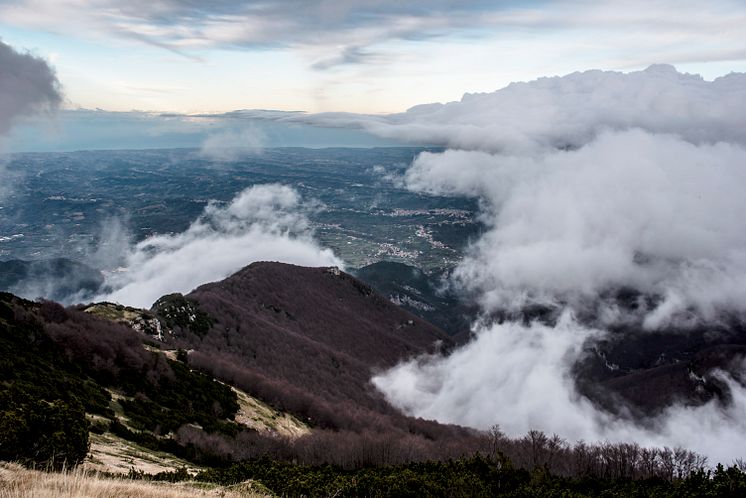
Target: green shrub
{"type": "Point", "coordinates": [40, 433]}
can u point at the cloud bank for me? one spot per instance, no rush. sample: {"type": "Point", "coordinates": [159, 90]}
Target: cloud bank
{"type": "Point", "coordinates": [568, 112]}
{"type": "Point", "coordinates": [630, 209]}
{"type": "Point", "coordinates": [595, 181]}
{"type": "Point", "coordinates": [519, 377]}
{"type": "Point", "coordinates": [262, 223]}
{"type": "Point", "coordinates": [588, 183]}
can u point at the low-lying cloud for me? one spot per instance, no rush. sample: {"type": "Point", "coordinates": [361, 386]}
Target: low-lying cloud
{"type": "Point", "coordinates": [519, 377]}
{"type": "Point", "coordinates": [233, 144]}
{"type": "Point", "coordinates": [630, 209]}
{"type": "Point", "coordinates": [588, 184]}
{"type": "Point", "coordinates": [262, 223]}
{"type": "Point", "coordinates": [596, 181]}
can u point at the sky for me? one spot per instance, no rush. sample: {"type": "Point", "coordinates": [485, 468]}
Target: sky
{"type": "Point", "coordinates": [361, 56]}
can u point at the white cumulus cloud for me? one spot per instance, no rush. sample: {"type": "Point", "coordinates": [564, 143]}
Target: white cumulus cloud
{"type": "Point", "coordinates": [569, 111]}
{"type": "Point", "coordinates": [262, 223]}
{"type": "Point", "coordinates": [630, 209]}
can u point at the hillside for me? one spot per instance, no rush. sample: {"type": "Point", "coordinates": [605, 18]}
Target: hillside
{"type": "Point", "coordinates": [67, 372]}
{"type": "Point", "coordinates": [293, 349]}
{"type": "Point", "coordinates": [318, 329]}
{"type": "Point", "coordinates": [17, 482]}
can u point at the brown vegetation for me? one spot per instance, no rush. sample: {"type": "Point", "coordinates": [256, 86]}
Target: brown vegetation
{"type": "Point", "coordinates": [307, 341]}
{"type": "Point", "coordinates": [601, 460]}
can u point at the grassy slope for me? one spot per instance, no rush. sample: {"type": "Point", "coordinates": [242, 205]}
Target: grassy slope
{"type": "Point", "coordinates": [115, 455]}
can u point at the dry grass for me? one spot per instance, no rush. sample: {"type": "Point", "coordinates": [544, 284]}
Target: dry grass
{"type": "Point", "coordinates": [261, 417]}
{"type": "Point", "coordinates": [114, 455]}
{"type": "Point", "coordinates": [18, 482]}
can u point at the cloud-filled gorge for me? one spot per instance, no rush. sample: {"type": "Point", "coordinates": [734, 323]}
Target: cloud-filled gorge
{"type": "Point", "coordinates": [589, 184]}
{"type": "Point", "coordinates": [262, 223]}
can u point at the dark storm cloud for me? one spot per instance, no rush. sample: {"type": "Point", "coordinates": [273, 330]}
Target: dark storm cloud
{"type": "Point", "coordinates": [27, 85]}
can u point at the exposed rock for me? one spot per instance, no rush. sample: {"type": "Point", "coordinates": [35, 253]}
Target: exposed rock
{"type": "Point", "coordinates": [137, 319]}
{"type": "Point", "coordinates": [182, 315]}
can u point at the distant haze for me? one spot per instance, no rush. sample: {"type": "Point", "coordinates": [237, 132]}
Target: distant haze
{"type": "Point", "coordinates": [220, 137]}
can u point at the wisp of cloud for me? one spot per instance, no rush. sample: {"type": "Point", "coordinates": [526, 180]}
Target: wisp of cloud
{"type": "Point", "coordinates": [233, 144]}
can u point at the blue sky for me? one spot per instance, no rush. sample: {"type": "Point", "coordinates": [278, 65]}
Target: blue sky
{"type": "Point", "coordinates": [361, 56]}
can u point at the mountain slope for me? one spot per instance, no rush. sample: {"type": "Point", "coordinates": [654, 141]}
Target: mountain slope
{"type": "Point", "coordinates": [62, 368]}
{"type": "Point", "coordinates": [316, 329]}
{"type": "Point", "coordinates": [645, 371]}
{"type": "Point", "coordinates": [304, 340]}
